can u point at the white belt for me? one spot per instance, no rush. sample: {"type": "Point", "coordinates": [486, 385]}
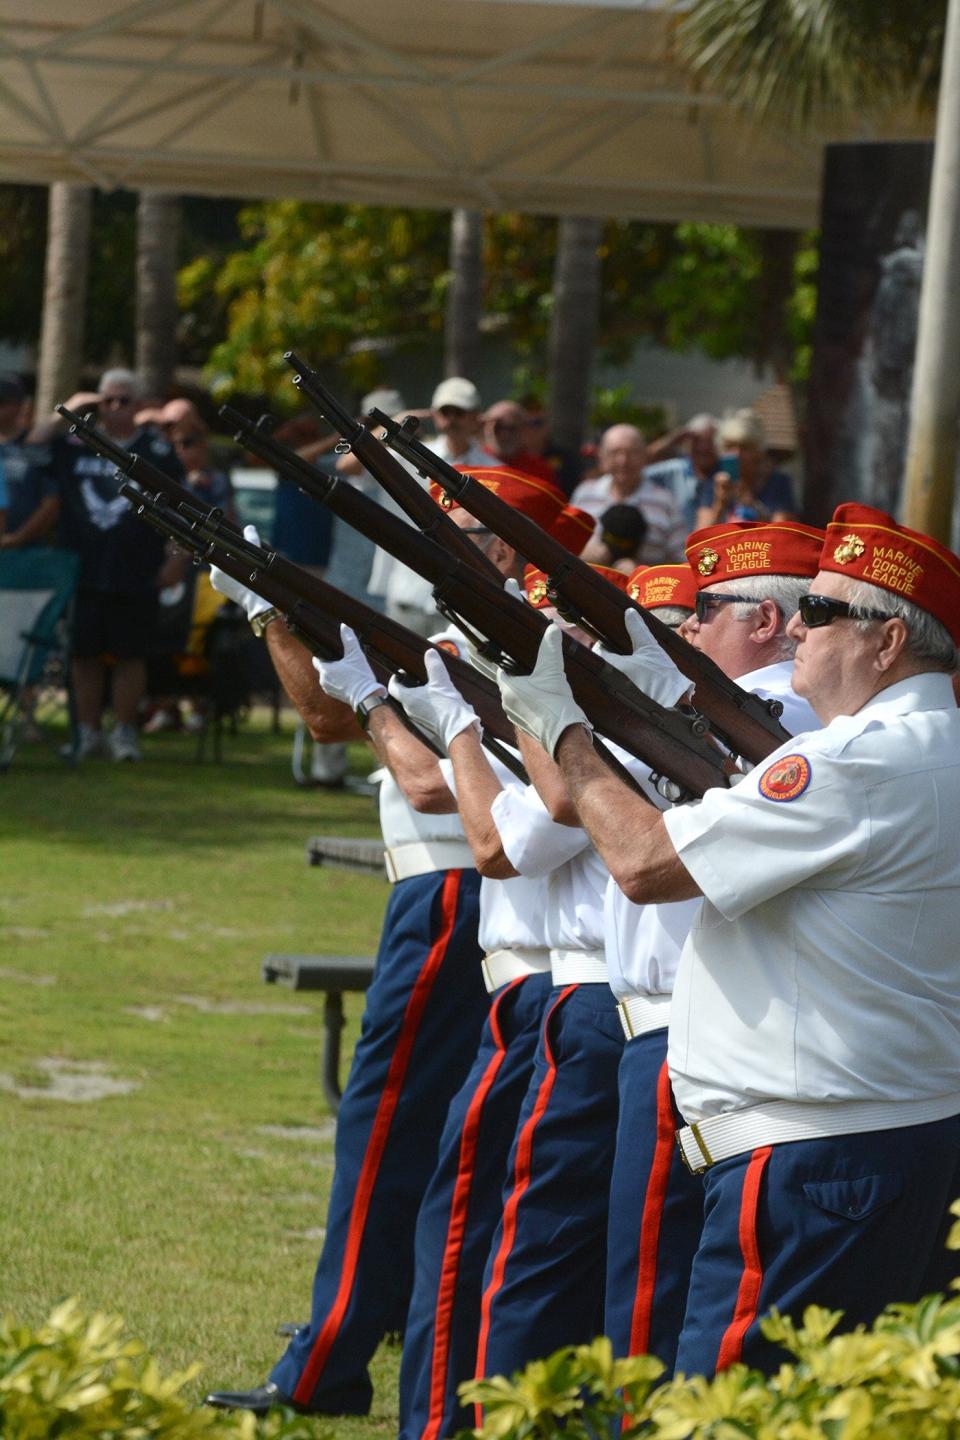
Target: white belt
{"type": "Point", "coordinates": [499, 967]}
{"type": "Point", "coordinates": [717, 1138]}
{"type": "Point", "coordinates": [640, 1013]}
{"type": "Point", "coordinates": [578, 967]}
{"type": "Point", "coordinates": [422, 856]}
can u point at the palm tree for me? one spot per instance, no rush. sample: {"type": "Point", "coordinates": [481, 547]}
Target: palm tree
{"type": "Point", "coordinates": [799, 60]}
{"type": "Point", "coordinates": [573, 327]}
{"type": "Point", "coordinates": [64, 294]}
{"type": "Point", "coordinates": [158, 231]}
{"type": "Point", "coordinates": [793, 61]}
{"type": "Point", "coordinates": [462, 317]}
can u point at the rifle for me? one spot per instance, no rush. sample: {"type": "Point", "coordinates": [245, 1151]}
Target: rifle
{"type": "Point", "coordinates": [746, 723]}
{"type": "Point", "coordinates": [412, 499]}
{"type": "Point", "coordinates": [313, 609]}
{"type": "Point", "coordinates": [671, 744]}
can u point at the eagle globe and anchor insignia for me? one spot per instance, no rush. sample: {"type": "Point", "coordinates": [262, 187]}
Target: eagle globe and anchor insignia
{"type": "Point", "coordinates": [708, 562]}
{"type": "Point", "coordinates": [851, 547]}
{"type": "Point", "coordinates": [786, 778]}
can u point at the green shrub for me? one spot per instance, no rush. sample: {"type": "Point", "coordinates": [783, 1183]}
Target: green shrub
{"type": "Point", "coordinates": [81, 1376]}
{"type": "Point", "coordinates": [897, 1380]}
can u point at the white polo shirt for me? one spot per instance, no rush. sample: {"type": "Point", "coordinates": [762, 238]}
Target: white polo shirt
{"type": "Point", "coordinates": [821, 966]}
{"type": "Point", "coordinates": [644, 942]}
{"type": "Point", "coordinates": [512, 912]}
{"type": "Point", "coordinates": [576, 876]}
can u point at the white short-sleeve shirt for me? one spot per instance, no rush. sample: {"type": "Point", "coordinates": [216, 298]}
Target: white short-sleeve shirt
{"type": "Point", "coordinates": [644, 942]}
{"type": "Point", "coordinates": [821, 965]}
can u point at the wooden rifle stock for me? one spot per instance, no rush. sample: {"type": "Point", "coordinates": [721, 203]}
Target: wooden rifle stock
{"type": "Point", "coordinates": [747, 723]}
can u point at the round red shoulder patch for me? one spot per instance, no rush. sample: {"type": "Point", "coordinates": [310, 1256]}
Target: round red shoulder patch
{"type": "Point", "coordinates": [786, 778]}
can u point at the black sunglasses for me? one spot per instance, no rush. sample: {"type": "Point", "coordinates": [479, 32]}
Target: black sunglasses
{"type": "Point", "coordinates": [116, 402]}
{"type": "Point", "coordinates": [705, 603]}
{"type": "Point", "coordinates": [818, 610]}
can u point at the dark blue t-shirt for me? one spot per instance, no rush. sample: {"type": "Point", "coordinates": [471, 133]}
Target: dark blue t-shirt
{"type": "Point", "coordinates": [29, 476]}
{"type": "Point", "coordinates": [119, 554]}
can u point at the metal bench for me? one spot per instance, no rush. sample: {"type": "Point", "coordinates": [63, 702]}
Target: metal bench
{"type": "Point", "coordinates": [348, 854]}
{"type": "Point", "coordinates": [333, 974]}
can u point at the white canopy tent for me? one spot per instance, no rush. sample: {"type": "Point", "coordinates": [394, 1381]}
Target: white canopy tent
{"type": "Point", "coordinates": [536, 105]}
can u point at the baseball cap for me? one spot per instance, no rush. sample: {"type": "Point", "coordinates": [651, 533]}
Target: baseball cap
{"type": "Point", "coordinates": [456, 391]}
{"type": "Point", "coordinates": [391, 402]}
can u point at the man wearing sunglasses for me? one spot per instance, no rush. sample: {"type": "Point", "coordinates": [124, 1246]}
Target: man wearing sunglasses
{"type": "Point", "coordinates": [814, 1042]}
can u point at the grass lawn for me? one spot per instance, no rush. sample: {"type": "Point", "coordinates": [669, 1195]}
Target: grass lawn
{"type": "Point", "coordinates": [137, 904]}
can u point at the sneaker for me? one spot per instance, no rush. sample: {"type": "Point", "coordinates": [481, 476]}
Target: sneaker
{"type": "Point", "coordinates": [123, 743]}
{"type": "Point", "coordinates": [162, 720]}
{"type": "Point", "coordinates": [91, 744]}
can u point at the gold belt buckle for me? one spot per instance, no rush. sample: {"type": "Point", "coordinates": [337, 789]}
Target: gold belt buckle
{"type": "Point", "coordinates": [694, 1129]}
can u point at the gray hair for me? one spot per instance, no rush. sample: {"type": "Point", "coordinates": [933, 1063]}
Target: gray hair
{"type": "Point", "coordinates": [120, 376]}
{"type": "Point", "coordinates": [783, 590]}
{"type": "Point", "coordinates": [671, 615]}
{"type": "Point", "coordinates": [928, 641]}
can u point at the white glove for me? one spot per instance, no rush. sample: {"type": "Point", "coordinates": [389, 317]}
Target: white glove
{"type": "Point", "coordinates": [249, 601]}
{"type": "Point", "coordinates": [438, 705]}
{"type": "Point", "coordinates": [541, 703]}
{"type": "Point", "coordinates": [649, 667]}
{"type": "Point", "coordinates": [350, 679]}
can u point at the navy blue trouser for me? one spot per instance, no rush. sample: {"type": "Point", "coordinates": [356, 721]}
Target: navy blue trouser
{"type": "Point", "coordinates": [460, 1212]}
{"type": "Point", "coordinates": [543, 1285]}
{"type": "Point", "coordinates": [423, 1016]}
{"type": "Point", "coordinates": [852, 1223]}
{"type": "Point", "coordinates": [656, 1210]}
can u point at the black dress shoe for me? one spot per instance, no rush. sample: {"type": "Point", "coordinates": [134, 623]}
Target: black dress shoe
{"type": "Point", "coordinates": [258, 1400]}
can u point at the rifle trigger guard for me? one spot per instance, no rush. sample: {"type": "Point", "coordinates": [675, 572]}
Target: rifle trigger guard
{"type": "Point", "coordinates": [669, 790]}
{"type": "Point", "coordinates": [342, 447]}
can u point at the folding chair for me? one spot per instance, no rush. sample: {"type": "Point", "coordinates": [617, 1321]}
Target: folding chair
{"type": "Point", "coordinates": [36, 594]}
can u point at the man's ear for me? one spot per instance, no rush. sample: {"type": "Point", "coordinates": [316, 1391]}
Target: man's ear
{"type": "Point", "coordinates": [895, 636]}
{"type": "Point", "coordinates": [766, 623]}
{"type": "Point", "coordinates": [505, 558]}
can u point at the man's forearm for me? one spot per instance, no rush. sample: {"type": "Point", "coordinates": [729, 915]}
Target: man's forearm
{"type": "Point", "coordinates": [477, 789]}
{"type": "Point", "coordinates": [327, 720]}
{"type": "Point", "coordinates": [547, 779]}
{"type": "Point", "coordinates": [627, 832]}
{"type": "Point", "coordinates": [414, 767]}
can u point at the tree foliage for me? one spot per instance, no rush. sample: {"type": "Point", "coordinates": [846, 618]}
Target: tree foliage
{"type": "Point", "coordinates": [798, 60]}
{"type": "Point", "coordinates": [334, 280]}
{"type": "Point", "coordinates": [350, 285]}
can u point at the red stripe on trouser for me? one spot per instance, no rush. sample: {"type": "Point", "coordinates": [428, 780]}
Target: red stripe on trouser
{"type": "Point", "coordinates": [521, 1183]}
{"type": "Point", "coordinates": [456, 1226]}
{"type": "Point", "coordinates": [379, 1135]}
{"type": "Point", "coordinates": [748, 1295]}
{"type": "Point", "coordinates": [654, 1201]}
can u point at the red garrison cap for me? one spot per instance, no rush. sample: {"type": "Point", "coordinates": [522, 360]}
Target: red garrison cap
{"type": "Point", "coordinates": [653, 585]}
{"type": "Point", "coordinates": [538, 499]}
{"type": "Point", "coordinates": [535, 583]}
{"type": "Point", "coordinates": [573, 528]}
{"type": "Point", "coordinates": [753, 547]}
{"type": "Point", "coordinates": [868, 544]}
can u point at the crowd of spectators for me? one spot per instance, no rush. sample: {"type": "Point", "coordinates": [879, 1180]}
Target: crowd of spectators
{"type": "Point", "coordinates": [136, 598]}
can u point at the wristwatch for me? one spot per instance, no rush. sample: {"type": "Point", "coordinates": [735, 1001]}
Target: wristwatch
{"type": "Point", "coordinates": [366, 707]}
{"type": "Point", "coordinates": [259, 623]}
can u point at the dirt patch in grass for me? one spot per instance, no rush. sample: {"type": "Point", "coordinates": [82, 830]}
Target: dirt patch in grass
{"type": "Point", "coordinates": [76, 1081]}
